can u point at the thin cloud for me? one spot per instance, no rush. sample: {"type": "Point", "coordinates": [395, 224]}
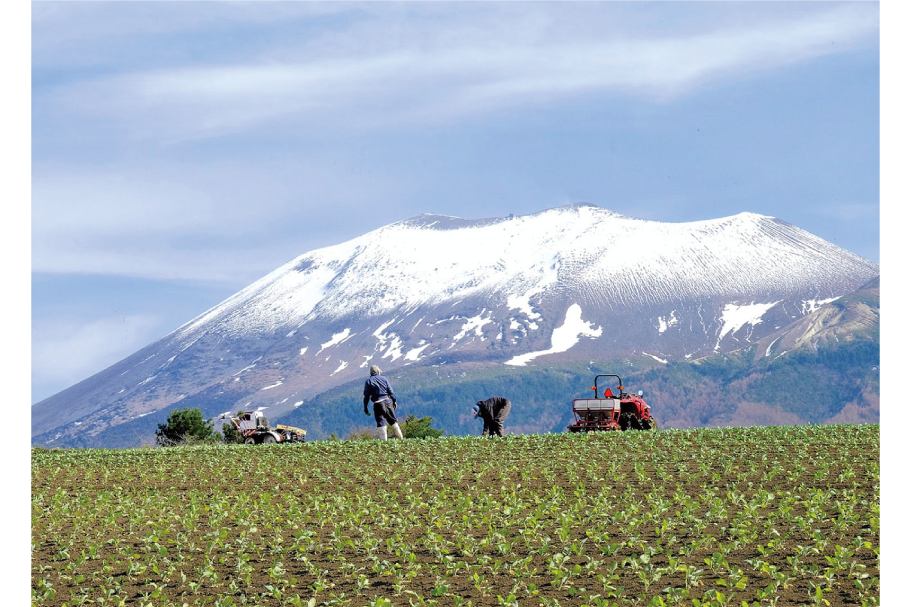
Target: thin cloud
{"type": "Point", "coordinates": [849, 211]}
{"type": "Point", "coordinates": [91, 34]}
{"type": "Point", "coordinates": [404, 84]}
{"type": "Point", "coordinates": [224, 221]}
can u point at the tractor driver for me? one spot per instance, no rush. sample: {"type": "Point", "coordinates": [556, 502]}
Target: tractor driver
{"type": "Point", "coordinates": [378, 389]}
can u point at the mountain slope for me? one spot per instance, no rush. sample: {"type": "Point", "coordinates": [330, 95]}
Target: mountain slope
{"type": "Point", "coordinates": [576, 283]}
{"type": "Point", "coordinates": [817, 381]}
{"type": "Point", "coordinates": [846, 318]}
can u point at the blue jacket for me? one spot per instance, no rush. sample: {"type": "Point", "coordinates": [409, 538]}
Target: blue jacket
{"type": "Point", "coordinates": [376, 388]}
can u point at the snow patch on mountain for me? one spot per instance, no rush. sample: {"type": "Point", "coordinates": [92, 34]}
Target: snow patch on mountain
{"type": "Point", "coordinates": [380, 332]}
{"type": "Point", "coordinates": [340, 368]}
{"type": "Point", "coordinates": [337, 338]}
{"type": "Point", "coordinates": [248, 367]}
{"type": "Point", "coordinates": [547, 275]}
{"type": "Point", "coordinates": [660, 360]}
{"type": "Point", "coordinates": [474, 324]}
{"type": "Point", "coordinates": [811, 305]}
{"type": "Point", "coordinates": [665, 323]}
{"type": "Point", "coordinates": [564, 337]}
{"type": "Point", "coordinates": [147, 380]}
{"type": "Point", "coordinates": [768, 351]}
{"type": "Point", "coordinates": [394, 350]}
{"type": "Point", "coordinates": [523, 304]}
{"type": "Point", "coordinates": [390, 342]}
{"type": "Point", "coordinates": [736, 316]}
{"type": "Point", "coordinates": [414, 353]}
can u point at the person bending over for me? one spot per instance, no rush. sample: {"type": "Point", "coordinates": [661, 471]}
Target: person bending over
{"type": "Point", "coordinates": [493, 412]}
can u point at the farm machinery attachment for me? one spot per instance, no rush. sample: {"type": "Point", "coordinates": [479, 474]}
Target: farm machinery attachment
{"type": "Point", "coordinates": [255, 429]}
{"type": "Point", "coordinates": [609, 411]}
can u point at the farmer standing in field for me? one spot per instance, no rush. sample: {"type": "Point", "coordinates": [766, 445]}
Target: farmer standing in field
{"type": "Point", "coordinates": [379, 390]}
{"type": "Point", "coordinates": [493, 412]}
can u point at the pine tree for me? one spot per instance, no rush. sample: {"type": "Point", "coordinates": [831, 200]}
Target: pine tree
{"type": "Point", "coordinates": [414, 427]}
{"type": "Point", "coordinates": [184, 426]}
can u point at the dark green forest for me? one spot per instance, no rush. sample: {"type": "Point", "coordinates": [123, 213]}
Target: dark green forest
{"type": "Point", "coordinates": [810, 387]}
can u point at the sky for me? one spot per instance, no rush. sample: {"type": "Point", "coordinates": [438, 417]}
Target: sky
{"type": "Point", "coordinates": [182, 150]}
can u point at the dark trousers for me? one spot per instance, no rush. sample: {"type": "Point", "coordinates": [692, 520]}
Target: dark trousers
{"type": "Point", "coordinates": [498, 417]}
{"type": "Point", "coordinates": [384, 413]}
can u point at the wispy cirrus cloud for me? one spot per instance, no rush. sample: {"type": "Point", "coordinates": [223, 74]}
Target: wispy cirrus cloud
{"type": "Point", "coordinates": [367, 81]}
{"type": "Point", "coordinates": [228, 221]}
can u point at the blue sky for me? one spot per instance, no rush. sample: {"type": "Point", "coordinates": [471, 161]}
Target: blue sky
{"type": "Point", "coordinates": [182, 150]}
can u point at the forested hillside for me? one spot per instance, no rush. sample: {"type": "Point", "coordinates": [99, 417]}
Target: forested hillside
{"type": "Point", "coordinates": [835, 384]}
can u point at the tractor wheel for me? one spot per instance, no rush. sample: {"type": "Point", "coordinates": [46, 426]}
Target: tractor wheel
{"type": "Point", "coordinates": [649, 424]}
{"type": "Point", "coordinates": [626, 421]}
{"type": "Point", "coordinates": [250, 441]}
{"type": "Point", "coordinates": [268, 439]}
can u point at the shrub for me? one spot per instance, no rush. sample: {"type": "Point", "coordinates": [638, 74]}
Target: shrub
{"type": "Point", "coordinates": [231, 435]}
{"type": "Point", "coordinates": [185, 426]}
{"type": "Point", "coordinates": [414, 427]}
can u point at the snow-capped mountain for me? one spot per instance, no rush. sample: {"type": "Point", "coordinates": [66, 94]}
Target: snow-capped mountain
{"type": "Point", "coordinates": [572, 283]}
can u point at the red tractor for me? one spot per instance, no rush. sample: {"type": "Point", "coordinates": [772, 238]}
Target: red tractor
{"type": "Point", "coordinates": [609, 411]}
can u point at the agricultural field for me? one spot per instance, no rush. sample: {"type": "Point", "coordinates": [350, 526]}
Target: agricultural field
{"type": "Point", "coordinates": [735, 516]}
